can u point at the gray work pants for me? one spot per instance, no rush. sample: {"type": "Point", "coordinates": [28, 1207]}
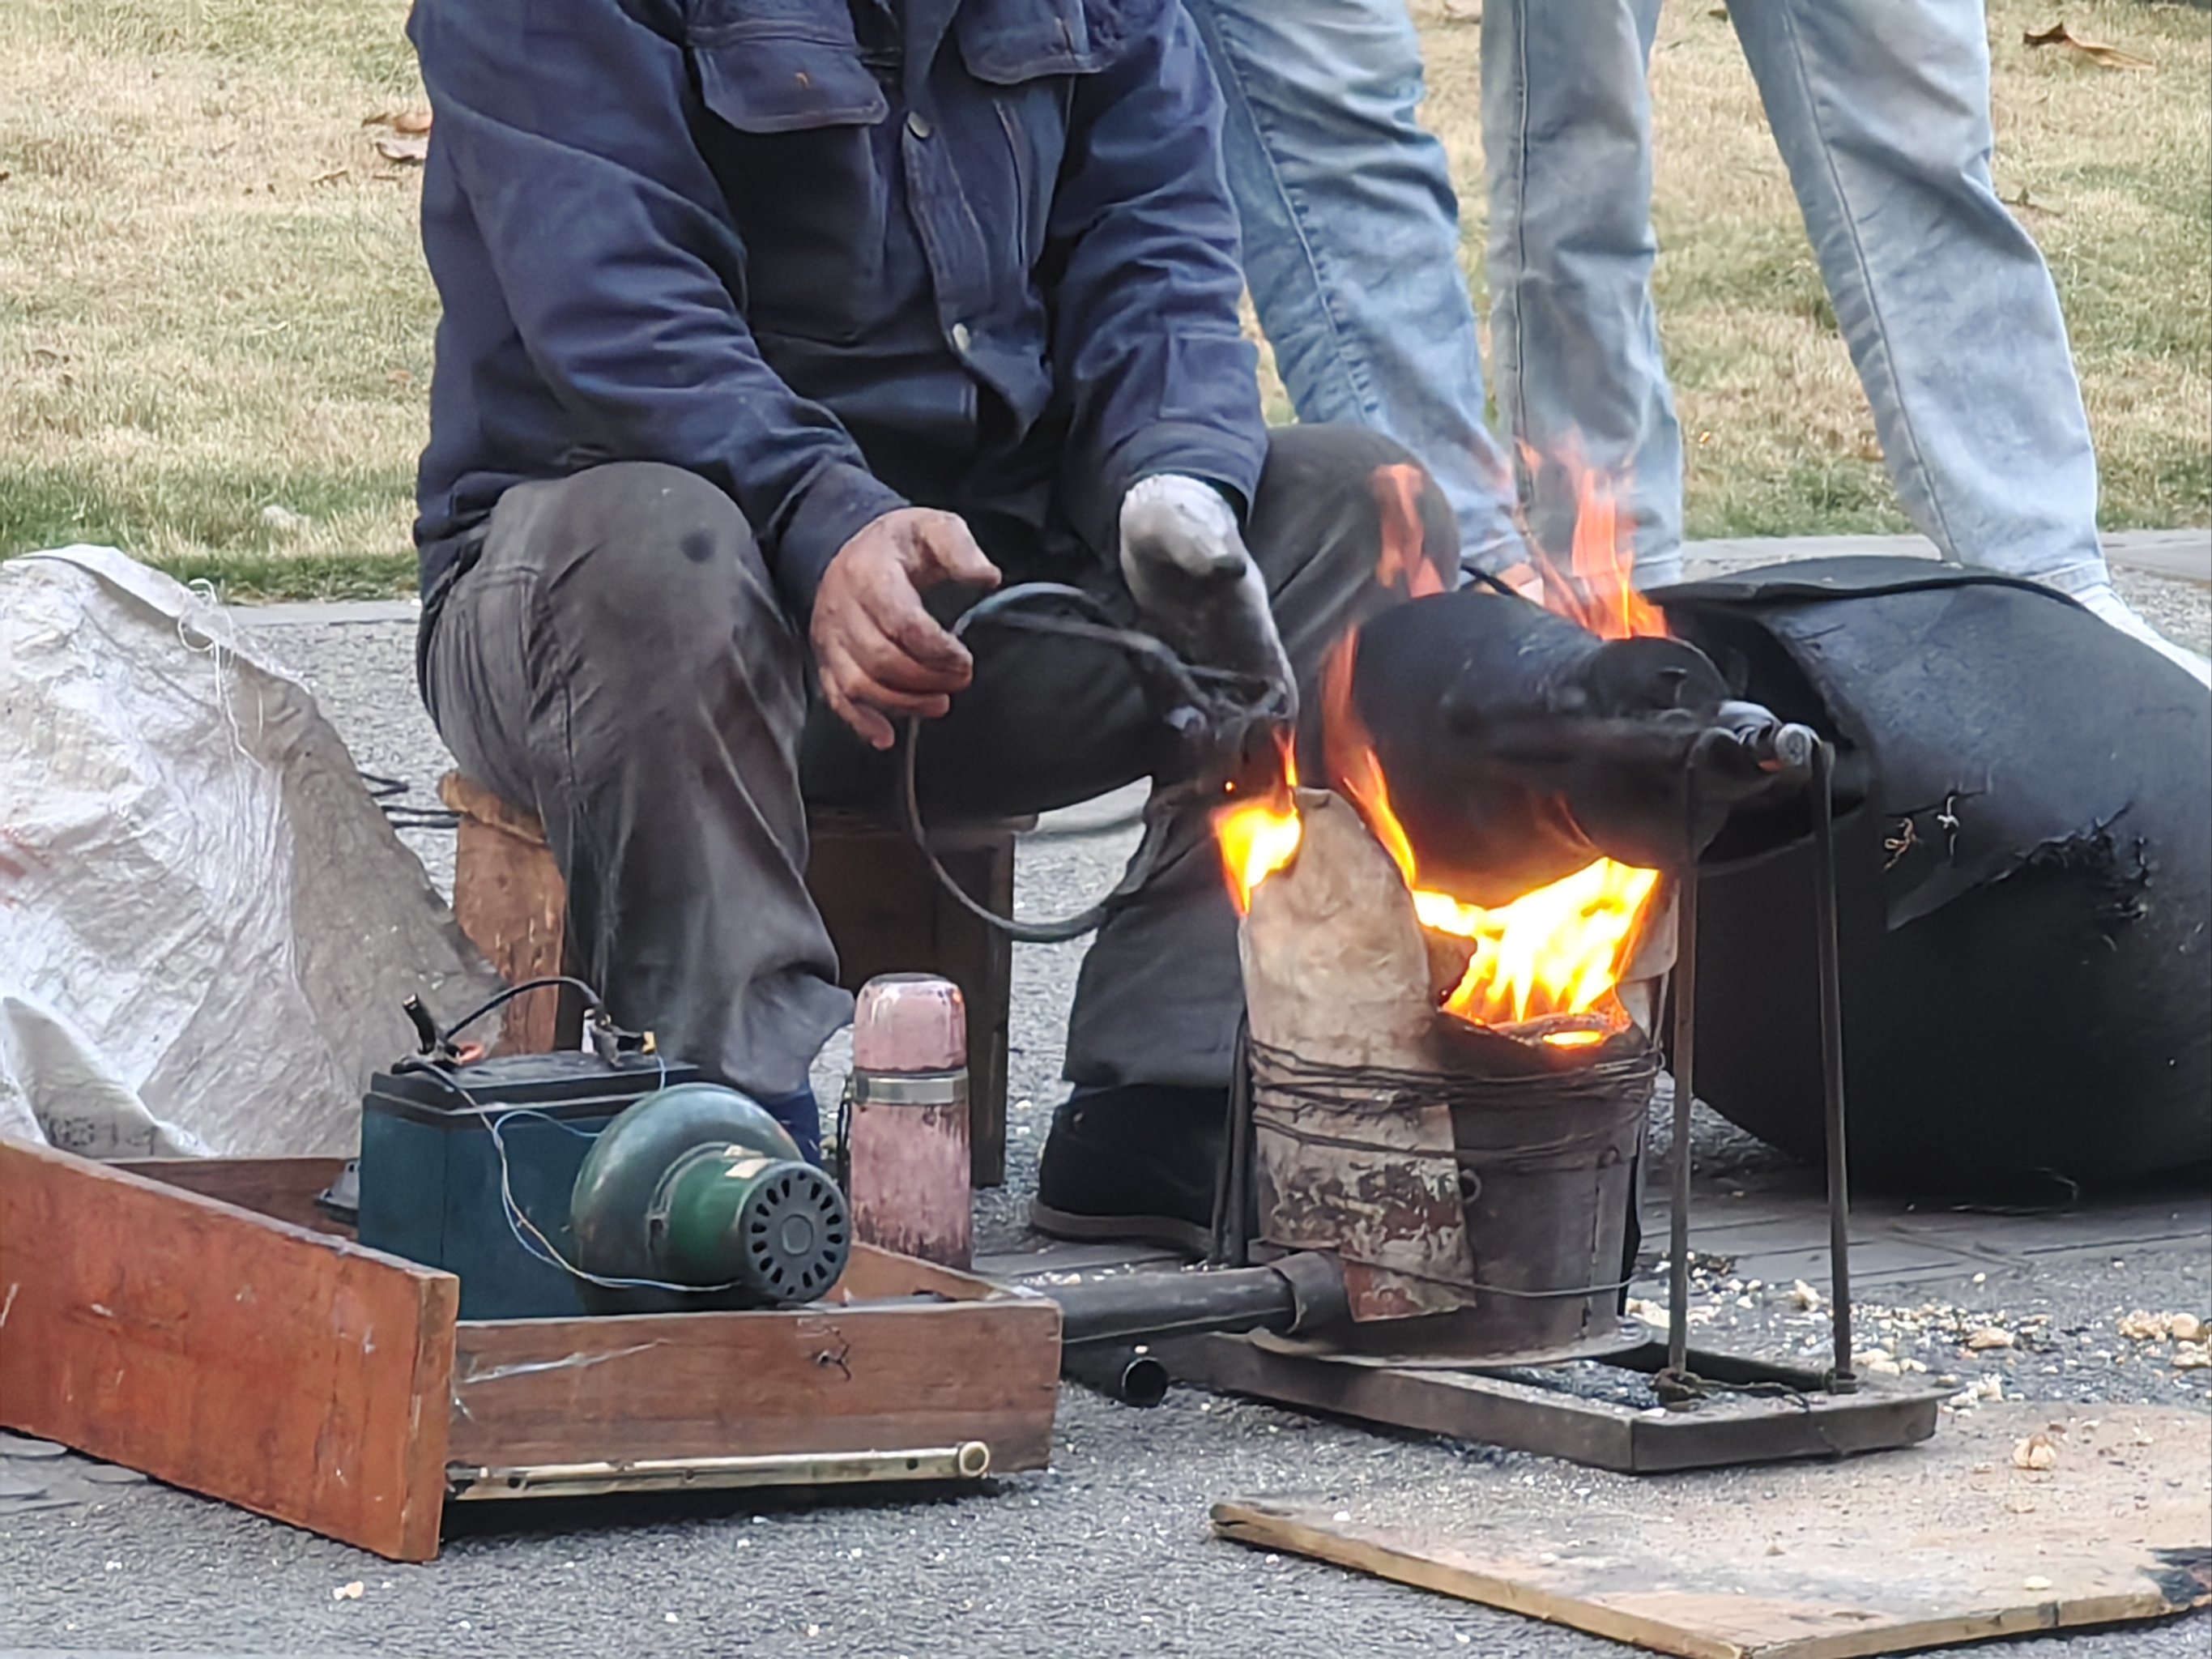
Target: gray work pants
{"type": "Point", "coordinates": [617, 659]}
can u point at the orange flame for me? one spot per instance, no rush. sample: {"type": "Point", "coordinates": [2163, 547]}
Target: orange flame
{"type": "Point", "coordinates": [1558, 951]}
{"type": "Point", "coordinates": [1403, 562]}
{"type": "Point", "coordinates": [1258, 838]}
{"type": "Point", "coordinates": [1599, 591]}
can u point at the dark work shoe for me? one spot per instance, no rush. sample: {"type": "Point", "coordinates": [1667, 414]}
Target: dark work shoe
{"type": "Point", "coordinates": [1134, 1162]}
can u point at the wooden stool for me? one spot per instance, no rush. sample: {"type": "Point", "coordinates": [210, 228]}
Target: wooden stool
{"type": "Point", "coordinates": [885, 912]}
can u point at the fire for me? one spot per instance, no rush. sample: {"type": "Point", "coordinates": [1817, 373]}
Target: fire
{"type": "Point", "coordinates": [1259, 838]}
{"type": "Point", "coordinates": [1402, 564]}
{"type": "Point", "coordinates": [1557, 951]}
{"type": "Point", "coordinates": [1598, 591]}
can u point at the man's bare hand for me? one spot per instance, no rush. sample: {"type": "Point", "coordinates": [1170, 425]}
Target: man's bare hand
{"type": "Point", "coordinates": [879, 653]}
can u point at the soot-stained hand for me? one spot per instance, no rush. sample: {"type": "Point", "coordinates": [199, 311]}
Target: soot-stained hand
{"type": "Point", "coordinates": [879, 651]}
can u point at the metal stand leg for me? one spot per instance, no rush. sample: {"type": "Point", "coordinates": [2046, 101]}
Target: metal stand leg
{"type": "Point", "coordinates": [1685, 1044]}
{"type": "Point", "coordinates": [1843, 1380]}
{"type": "Point", "coordinates": [1232, 1193]}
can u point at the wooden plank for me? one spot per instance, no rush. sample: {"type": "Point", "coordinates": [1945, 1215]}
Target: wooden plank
{"type": "Point", "coordinates": [289, 1372]}
{"type": "Point", "coordinates": [285, 1188]}
{"type": "Point", "coordinates": [1945, 1544]}
{"type": "Point", "coordinates": [865, 1375]}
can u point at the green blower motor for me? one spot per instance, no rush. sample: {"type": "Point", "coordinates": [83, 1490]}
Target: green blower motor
{"type": "Point", "coordinates": [695, 1198]}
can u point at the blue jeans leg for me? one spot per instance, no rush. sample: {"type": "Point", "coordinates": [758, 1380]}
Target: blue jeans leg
{"type": "Point", "coordinates": [1350, 239]}
{"type": "Point", "coordinates": [1566, 127]}
{"type": "Point", "coordinates": [1882, 111]}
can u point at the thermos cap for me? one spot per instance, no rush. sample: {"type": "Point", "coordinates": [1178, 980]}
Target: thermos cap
{"type": "Point", "coordinates": [909, 1022]}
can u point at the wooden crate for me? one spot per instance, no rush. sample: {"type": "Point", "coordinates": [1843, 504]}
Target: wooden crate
{"type": "Point", "coordinates": [883, 910]}
{"type": "Point", "coordinates": [199, 1320]}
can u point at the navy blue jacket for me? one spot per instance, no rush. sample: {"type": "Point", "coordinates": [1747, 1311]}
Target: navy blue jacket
{"type": "Point", "coordinates": [835, 256]}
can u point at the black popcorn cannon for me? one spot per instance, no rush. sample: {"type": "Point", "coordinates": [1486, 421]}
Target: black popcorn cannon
{"type": "Point", "coordinates": [1429, 1221]}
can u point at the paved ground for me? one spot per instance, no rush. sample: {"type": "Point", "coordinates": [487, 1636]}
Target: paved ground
{"type": "Point", "coordinates": [1109, 1553]}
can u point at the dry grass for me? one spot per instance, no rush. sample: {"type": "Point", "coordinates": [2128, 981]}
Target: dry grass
{"type": "Point", "coordinates": [212, 303]}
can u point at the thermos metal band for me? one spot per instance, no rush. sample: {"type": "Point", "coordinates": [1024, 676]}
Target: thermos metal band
{"type": "Point", "coordinates": [909, 1088]}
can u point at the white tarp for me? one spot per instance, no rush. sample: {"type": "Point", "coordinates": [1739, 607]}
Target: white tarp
{"type": "Point", "coordinates": [207, 927]}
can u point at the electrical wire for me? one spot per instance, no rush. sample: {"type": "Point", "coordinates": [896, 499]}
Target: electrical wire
{"type": "Point", "coordinates": [1187, 695]}
{"type": "Point", "coordinates": [526, 1233]}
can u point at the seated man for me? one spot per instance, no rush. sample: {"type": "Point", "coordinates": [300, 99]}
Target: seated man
{"type": "Point", "coordinates": [763, 318]}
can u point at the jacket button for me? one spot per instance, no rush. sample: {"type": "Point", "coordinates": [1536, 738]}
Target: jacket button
{"type": "Point", "coordinates": [918, 124]}
{"type": "Point", "coordinates": [960, 337]}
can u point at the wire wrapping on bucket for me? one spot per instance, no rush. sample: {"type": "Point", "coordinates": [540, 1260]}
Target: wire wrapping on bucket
{"type": "Point", "coordinates": [1504, 1124]}
{"type": "Point", "coordinates": [1282, 1081]}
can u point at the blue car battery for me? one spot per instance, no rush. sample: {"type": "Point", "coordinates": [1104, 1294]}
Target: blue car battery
{"type": "Point", "coordinates": [470, 1168]}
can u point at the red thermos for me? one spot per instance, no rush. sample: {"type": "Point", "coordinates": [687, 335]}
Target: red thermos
{"type": "Point", "coordinates": [908, 1130]}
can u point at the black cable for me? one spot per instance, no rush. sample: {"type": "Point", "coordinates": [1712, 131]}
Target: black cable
{"type": "Point", "coordinates": [386, 792]}
{"type": "Point", "coordinates": [1167, 679]}
{"type": "Point", "coordinates": [591, 1003]}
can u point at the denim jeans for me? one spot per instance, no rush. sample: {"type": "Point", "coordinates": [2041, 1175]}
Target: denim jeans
{"type": "Point", "coordinates": [1881, 109]}
{"type": "Point", "coordinates": [1351, 240]}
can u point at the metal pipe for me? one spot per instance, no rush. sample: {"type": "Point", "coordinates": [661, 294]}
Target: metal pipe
{"type": "Point", "coordinates": [1845, 1381]}
{"type": "Point", "coordinates": [1302, 1291]}
{"type": "Point", "coordinates": [1116, 1369]}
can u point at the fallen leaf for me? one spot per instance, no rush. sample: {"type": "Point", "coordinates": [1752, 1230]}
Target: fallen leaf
{"type": "Point", "coordinates": [1989, 1337]}
{"type": "Point", "coordinates": [2027, 203]}
{"type": "Point", "coordinates": [349, 1592]}
{"type": "Point", "coordinates": [331, 176]}
{"type": "Point", "coordinates": [2191, 1356]}
{"type": "Point", "coordinates": [1649, 1312]}
{"type": "Point", "coordinates": [2184, 1328]}
{"type": "Point", "coordinates": [1805, 1297]}
{"type": "Point", "coordinates": [401, 120]}
{"type": "Point", "coordinates": [2096, 51]}
{"type": "Point", "coordinates": [2036, 1452]}
{"type": "Point", "coordinates": [404, 149]}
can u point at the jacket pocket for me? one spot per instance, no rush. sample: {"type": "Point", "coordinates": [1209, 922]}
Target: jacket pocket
{"type": "Point", "coordinates": [1006, 42]}
{"type": "Point", "coordinates": [771, 76]}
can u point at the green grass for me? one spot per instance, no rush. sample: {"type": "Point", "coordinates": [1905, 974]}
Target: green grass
{"type": "Point", "coordinates": [212, 300]}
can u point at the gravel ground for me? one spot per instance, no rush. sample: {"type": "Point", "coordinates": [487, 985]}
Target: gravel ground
{"type": "Point", "coordinates": [1108, 1553]}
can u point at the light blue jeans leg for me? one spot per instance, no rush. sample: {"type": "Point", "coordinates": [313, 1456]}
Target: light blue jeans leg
{"type": "Point", "coordinates": [1566, 131]}
{"type": "Point", "coordinates": [1881, 112]}
{"type": "Point", "coordinates": [1350, 239]}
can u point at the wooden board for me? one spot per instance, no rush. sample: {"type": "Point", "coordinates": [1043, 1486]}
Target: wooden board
{"type": "Point", "coordinates": [278, 1369]}
{"type": "Point", "coordinates": [1944, 1544]}
{"type": "Point", "coordinates": [978, 1365]}
{"type": "Point", "coordinates": [285, 1188]}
